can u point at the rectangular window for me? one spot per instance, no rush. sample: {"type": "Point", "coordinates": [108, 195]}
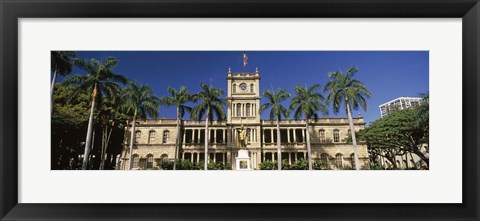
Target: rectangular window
{"type": "Point", "coordinates": [336, 136]}
{"type": "Point", "coordinates": [322, 136]}
{"type": "Point", "coordinates": [138, 135]}
{"type": "Point", "coordinates": [151, 137]}
{"type": "Point", "coordinates": [166, 135]}
{"type": "Point", "coordinates": [239, 110]}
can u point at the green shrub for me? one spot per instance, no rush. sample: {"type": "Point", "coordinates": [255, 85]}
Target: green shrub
{"type": "Point", "coordinates": [268, 165]}
{"type": "Point", "coordinates": [375, 166]}
{"type": "Point", "coordinates": [301, 164]}
{"type": "Point", "coordinates": [219, 166]}
{"type": "Point", "coordinates": [185, 165]}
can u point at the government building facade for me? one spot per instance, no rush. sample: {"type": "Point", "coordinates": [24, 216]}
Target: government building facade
{"type": "Point", "coordinates": [155, 139]}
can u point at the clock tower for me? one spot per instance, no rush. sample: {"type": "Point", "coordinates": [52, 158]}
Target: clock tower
{"type": "Point", "coordinates": [243, 105]}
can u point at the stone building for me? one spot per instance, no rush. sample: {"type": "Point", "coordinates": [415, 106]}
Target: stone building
{"type": "Point", "coordinates": [155, 139]}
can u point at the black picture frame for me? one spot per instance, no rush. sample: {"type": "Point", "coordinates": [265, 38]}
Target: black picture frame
{"type": "Point", "coordinates": [11, 11]}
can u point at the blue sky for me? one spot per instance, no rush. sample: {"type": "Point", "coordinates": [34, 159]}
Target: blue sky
{"type": "Point", "coordinates": [387, 74]}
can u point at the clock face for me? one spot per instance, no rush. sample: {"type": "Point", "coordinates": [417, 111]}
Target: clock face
{"type": "Point", "coordinates": [243, 86]}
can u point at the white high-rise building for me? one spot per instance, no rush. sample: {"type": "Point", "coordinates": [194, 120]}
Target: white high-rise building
{"type": "Point", "coordinates": [398, 104]}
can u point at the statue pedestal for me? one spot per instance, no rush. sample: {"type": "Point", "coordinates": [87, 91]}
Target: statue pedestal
{"type": "Point", "coordinates": [243, 160]}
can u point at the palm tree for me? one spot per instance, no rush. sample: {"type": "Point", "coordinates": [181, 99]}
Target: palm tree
{"type": "Point", "coordinates": [61, 63]}
{"type": "Point", "coordinates": [210, 105]}
{"type": "Point", "coordinates": [139, 101]}
{"type": "Point", "coordinates": [344, 88]}
{"type": "Point", "coordinates": [308, 102]}
{"type": "Point", "coordinates": [276, 112]}
{"type": "Point", "coordinates": [178, 99]}
{"type": "Point", "coordinates": [100, 81]}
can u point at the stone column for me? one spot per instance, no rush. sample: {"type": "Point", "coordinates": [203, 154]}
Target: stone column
{"type": "Point", "coordinates": [228, 156]}
{"type": "Point", "coordinates": [263, 137]}
{"type": "Point", "coordinates": [198, 135]}
{"type": "Point", "coordinates": [288, 135]}
{"type": "Point", "coordinates": [184, 135]}
{"type": "Point", "coordinates": [294, 136]}
{"type": "Point", "coordinates": [289, 157]}
{"type": "Point", "coordinates": [271, 136]}
{"type": "Point", "coordinates": [215, 136]}
{"type": "Point", "coordinates": [303, 134]}
{"type": "Point", "coordinates": [224, 138]}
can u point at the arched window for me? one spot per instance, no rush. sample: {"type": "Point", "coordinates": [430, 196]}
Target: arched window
{"type": "Point", "coordinates": [321, 136]}
{"type": "Point", "coordinates": [247, 110]}
{"type": "Point", "coordinates": [151, 136]}
{"type": "Point", "coordinates": [239, 110]}
{"type": "Point", "coordinates": [149, 161]}
{"type": "Point", "coordinates": [352, 160]}
{"type": "Point", "coordinates": [251, 88]}
{"type": "Point", "coordinates": [234, 88]}
{"type": "Point", "coordinates": [166, 135]}
{"type": "Point", "coordinates": [324, 159]}
{"type": "Point", "coordinates": [138, 135]}
{"type": "Point", "coordinates": [339, 160]}
{"type": "Point", "coordinates": [336, 135]}
{"type": "Point", "coordinates": [164, 158]}
{"type": "Point", "coordinates": [136, 160]}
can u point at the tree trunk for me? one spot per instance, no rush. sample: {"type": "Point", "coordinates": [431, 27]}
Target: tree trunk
{"type": "Point", "coordinates": [309, 151]}
{"type": "Point", "coordinates": [88, 141]}
{"type": "Point", "coordinates": [206, 141]}
{"type": "Point", "coordinates": [132, 140]}
{"type": "Point", "coordinates": [105, 141]}
{"type": "Point", "coordinates": [352, 132]}
{"type": "Point", "coordinates": [423, 157]}
{"type": "Point", "coordinates": [279, 152]}
{"type": "Point", "coordinates": [92, 163]}
{"type": "Point", "coordinates": [51, 89]}
{"type": "Point", "coordinates": [102, 161]}
{"type": "Point", "coordinates": [177, 140]}
{"type": "Point", "coordinates": [393, 161]}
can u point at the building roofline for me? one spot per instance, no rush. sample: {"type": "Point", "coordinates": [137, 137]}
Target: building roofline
{"type": "Point", "coordinates": [399, 99]}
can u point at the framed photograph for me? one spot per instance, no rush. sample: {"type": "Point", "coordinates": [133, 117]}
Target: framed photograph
{"type": "Point", "coordinates": [318, 110]}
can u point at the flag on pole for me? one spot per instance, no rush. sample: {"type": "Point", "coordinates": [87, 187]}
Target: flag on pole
{"type": "Point", "coordinates": [245, 58]}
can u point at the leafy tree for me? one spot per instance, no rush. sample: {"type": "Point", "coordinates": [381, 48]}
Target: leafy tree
{"type": "Point", "coordinates": [61, 63]}
{"type": "Point", "coordinates": [138, 101]}
{"type": "Point", "coordinates": [178, 99]}
{"type": "Point", "coordinates": [210, 105]}
{"type": "Point", "coordinates": [344, 88]}
{"type": "Point", "coordinates": [276, 112]}
{"type": "Point", "coordinates": [396, 134]}
{"type": "Point", "coordinates": [308, 102]}
{"type": "Point", "coordinates": [100, 81]}
{"type": "Point", "coordinates": [68, 117]}
{"type": "Point", "coordinates": [111, 119]}
{"type": "Point", "coordinates": [423, 116]}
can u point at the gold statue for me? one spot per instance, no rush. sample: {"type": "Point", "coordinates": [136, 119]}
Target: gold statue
{"type": "Point", "coordinates": [242, 138]}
